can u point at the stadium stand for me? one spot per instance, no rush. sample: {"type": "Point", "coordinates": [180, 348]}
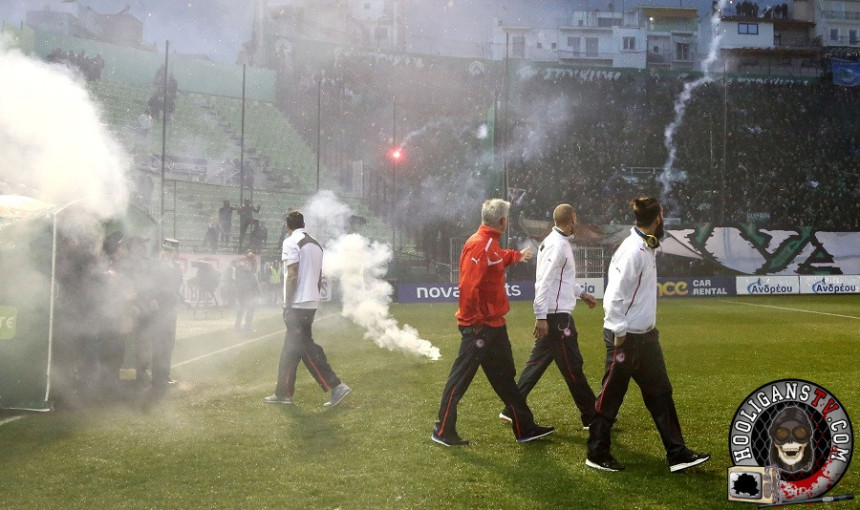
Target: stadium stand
{"type": "Point", "coordinates": [778, 153]}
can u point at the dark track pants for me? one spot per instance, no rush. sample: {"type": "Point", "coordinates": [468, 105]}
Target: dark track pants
{"type": "Point", "coordinates": [491, 350]}
{"type": "Point", "coordinates": [163, 341]}
{"type": "Point", "coordinates": [299, 345]}
{"type": "Point", "coordinates": [639, 358]}
{"type": "Point", "coordinates": [560, 345]}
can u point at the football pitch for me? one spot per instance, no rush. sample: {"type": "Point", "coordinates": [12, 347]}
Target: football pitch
{"type": "Point", "coordinates": [213, 442]}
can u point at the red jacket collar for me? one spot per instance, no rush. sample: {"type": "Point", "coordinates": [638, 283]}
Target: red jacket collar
{"type": "Point", "coordinates": [489, 232]}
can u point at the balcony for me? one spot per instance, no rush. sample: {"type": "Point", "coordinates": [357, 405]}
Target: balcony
{"type": "Point", "coordinates": [841, 15]}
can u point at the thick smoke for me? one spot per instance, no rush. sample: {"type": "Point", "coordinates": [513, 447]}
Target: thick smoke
{"type": "Point", "coordinates": [53, 145]}
{"type": "Point", "coordinates": [450, 191]}
{"type": "Point", "coordinates": [55, 148]}
{"type": "Point", "coordinates": [670, 175]}
{"type": "Point", "coordinates": [359, 266]}
{"type": "Point", "coordinates": [537, 131]}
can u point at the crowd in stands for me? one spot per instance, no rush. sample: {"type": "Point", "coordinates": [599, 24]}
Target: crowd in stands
{"type": "Point", "coordinates": [781, 155]}
{"type": "Point", "coordinates": [774, 153]}
{"type": "Point", "coordinates": [90, 67]}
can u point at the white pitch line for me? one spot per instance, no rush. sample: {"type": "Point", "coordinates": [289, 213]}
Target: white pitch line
{"type": "Point", "coordinates": [219, 351]}
{"type": "Point", "coordinates": [790, 309]}
{"type": "Point", "coordinates": [235, 346]}
{"type": "Point", "coordinates": [192, 360]}
{"type": "Point", "coordinates": [10, 420]}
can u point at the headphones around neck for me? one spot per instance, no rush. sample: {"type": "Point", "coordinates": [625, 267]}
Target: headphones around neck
{"type": "Point", "coordinates": [650, 240]}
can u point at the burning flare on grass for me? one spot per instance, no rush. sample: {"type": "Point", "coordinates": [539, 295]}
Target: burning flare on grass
{"type": "Point", "coordinates": [359, 265]}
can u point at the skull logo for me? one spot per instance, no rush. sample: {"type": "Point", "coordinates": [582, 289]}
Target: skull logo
{"type": "Point", "coordinates": [791, 440]}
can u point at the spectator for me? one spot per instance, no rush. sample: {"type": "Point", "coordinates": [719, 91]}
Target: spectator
{"type": "Point", "coordinates": [259, 235]}
{"type": "Point", "coordinates": [247, 292]}
{"type": "Point", "coordinates": [246, 219]}
{"type": "Point", "coordinates": [225, 221]}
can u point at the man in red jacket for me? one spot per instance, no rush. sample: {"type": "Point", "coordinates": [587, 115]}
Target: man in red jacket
{"type": "Point", "coordinates": [481, 319]}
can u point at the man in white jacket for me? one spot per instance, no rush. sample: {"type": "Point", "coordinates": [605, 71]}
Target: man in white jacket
{"type": "Point", "coordinates": [555, 333]}
{"type": "Point", "coordinates": [633, 347]}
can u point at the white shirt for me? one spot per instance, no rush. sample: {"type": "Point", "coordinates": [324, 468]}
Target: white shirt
{"type": "Point", "coordinates": [555, 282]}
{"type": "Point", "coordinates": [302, 249]}
{"type": "Point", "coordinates": [630, 300]}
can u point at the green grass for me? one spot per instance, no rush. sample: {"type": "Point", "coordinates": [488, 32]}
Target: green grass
{"type": "Point", "coordinates": [213, 443]}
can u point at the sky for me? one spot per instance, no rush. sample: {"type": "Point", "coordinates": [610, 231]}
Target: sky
{"type": "Point", "coordinates": [217, 28]}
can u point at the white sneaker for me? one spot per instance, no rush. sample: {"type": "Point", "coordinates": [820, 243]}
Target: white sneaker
{"type": "Point", "coordinates": [337, 394]}
{"type": "Point", "coordinates": [274, 399]}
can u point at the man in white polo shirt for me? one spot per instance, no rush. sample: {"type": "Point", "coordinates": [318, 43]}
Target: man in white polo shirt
{"type": "Point", "coordinates": [633, 345]}
{"type": "Point", "coordinates": [302, 256]}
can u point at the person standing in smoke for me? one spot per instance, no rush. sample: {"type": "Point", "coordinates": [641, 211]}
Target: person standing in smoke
{"type": "Point", "coordinates": [75, 351]}
{"type": "Point", "coordinates": [139, 265]}
{"type": "Point", "coordinates": [274, 280]}
{"type": "Point", "coordinates": [259, 235]}
{"type": "Point", "coordinates": [156, 284]}
{"type": "Point", "coordinates": [484, 337]}
{"type": "Point", "coordinates": [555, 332]}
{"type": "Point", "coordinates": [633, 345]}
{"type": "Point", "coordinates": [210, 239]}
{"type": "Point", "coordinates": [247, 292]}
{"type": "Point", "coordinates": [117, 322]}
{"type": "Point", "coordinates": [302, 256]}
{"type": "Point", "coordinates": [246, 219]}
{"type": "Point", "coordinates": [225, 221]}
{"type": "Point", "coordinates": [167, 277]}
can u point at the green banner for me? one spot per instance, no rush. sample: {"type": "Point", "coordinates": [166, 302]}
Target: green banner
{"type": "Point", "coordinates": [25, 266]}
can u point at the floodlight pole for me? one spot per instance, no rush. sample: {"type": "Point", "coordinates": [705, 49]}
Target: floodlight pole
{"type": "Point", "coordinates": [319, 128]}
{"type": "Point", "coordinates": [504, 190]}
{"type": "Point", "coordinates": [242, 148]}
{"type": "Point", "coordinates": [163, 149]}
{"type": "Point", "coordinates": [725, 129]}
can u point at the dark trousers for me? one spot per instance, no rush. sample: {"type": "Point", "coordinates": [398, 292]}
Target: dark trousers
{"type": "Point", "coordinates": [162, 350]}
{"type": "Point", "coordinates": [245, 312]}
{"type": "Point", "coordinates": [243, 228]}
{"type": "Point", "coordinates": [490, 350]}
{"type": "Point", "coordinates": [641, 359]}
{"type": "Point", "coordinates": [225, 232]}
{"type": "Point", "coordinates": [299, 345]}
{"type": "Point", "coordinates": [154, 341]}
{"type": "Point", "coordinates": [111, 355]}
{"type": "Point", "coordinates": [560, 345]}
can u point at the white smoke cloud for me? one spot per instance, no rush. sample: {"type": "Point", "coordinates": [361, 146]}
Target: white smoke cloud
{"type": "Point", "coordinates": [359, 266]}
{"type": "Point", "coordinates": [541, 120]}
{"type": "Point", "coordinates": [53, 144]}
{"type": "Point", "coordinates": [325, 217]}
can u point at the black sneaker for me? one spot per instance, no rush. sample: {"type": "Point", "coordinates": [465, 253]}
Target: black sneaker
{"type": "Point", "coordinates": [536, 433]}
{"type": "Point", "coordinates": [505, 417]}
{"type": "Point", "coordinates": [686, 459]}
{"type": "Point", "coordinates": [607, 463]}
{"type": "Point", "coordinates": [448, 439]}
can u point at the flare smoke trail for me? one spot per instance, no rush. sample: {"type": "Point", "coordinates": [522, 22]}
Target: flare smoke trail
{"type": "Point", "coordinates": [359, 265]}
{"type": "Point", "coordinates": [667, 177]}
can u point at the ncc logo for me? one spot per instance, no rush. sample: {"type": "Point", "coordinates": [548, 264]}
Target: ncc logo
{"type": "Point", "coordinates": [672, 288]}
